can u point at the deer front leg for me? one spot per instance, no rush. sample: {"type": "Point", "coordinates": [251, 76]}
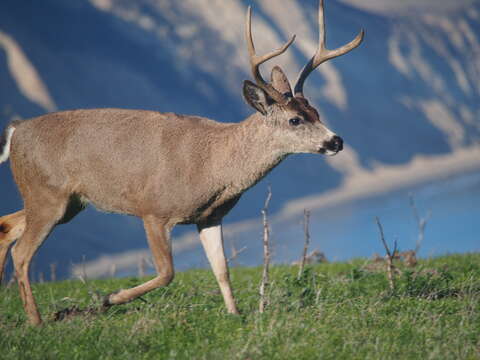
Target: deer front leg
{"type": "Point", "coordinates": [158, 236]}
{"type": "Point", "coordinates": [211, 237]}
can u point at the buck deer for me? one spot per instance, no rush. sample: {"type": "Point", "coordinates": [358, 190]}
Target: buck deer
{"type": "Point", "coordinates": [165, 168]}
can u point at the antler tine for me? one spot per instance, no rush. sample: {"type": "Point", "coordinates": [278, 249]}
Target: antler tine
{"type": "Point", "coordinates": [323, 54]}
{"type": "Point", "coordinates": [256, 60]}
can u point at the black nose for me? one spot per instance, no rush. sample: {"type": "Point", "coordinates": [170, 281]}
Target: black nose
{"type": "Point", "coordinates": [334, 144]}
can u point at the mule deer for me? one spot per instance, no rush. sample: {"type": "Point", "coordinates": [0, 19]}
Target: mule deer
{"type": "Point", "coordinates": [165, 168]}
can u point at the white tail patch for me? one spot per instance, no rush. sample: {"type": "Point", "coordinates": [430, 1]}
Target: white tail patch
{"type": "Point", "coordinates": [5, 151]}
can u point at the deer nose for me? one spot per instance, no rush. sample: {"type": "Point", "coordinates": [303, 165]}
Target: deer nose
{"type": "Point", "coordinates": [334, 144]}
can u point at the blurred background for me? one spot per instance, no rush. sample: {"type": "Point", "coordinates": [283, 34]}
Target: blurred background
{"type": "Point", "coordinates": [406, 103]}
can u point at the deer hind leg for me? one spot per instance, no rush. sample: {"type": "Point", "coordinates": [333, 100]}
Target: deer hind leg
{"type": "Point", "coordinates": [12, 227]}
{"type": "Point", "coordinates": [41, 218]}
{"type": "Point", "coordinates": [211, 237]}
{"type": "Point", "coordinates": [158, 236]}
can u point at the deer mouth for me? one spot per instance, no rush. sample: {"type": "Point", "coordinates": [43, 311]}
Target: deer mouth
{"type": "Point", "coordinates": [332, 146]}
{"type": "Point", "coordinates": [328, 152]}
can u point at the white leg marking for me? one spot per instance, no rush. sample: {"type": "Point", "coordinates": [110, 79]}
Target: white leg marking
{"type": "Point", "coordinates": [212, 241]}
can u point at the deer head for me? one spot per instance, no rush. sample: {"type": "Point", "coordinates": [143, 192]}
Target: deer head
{"type": "Point", "coordinates": [296, 124]}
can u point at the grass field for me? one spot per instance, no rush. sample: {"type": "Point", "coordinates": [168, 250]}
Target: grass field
{"type": "Point", "coordinates": [335, 311]}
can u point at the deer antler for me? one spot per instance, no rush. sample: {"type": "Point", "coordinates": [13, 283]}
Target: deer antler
{"type": "Point", "coordinates": [256, 60]}
{"type": "Point", "coordinates": [323, 54]}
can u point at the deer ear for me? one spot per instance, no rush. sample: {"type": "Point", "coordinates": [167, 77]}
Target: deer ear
{"type": "Point", "coordinates": [280, 81]}
{"type": "Point", "coordinates": [256, 97]}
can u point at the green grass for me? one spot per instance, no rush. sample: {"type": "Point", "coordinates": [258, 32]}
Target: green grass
{"type": "Point", "coordinates": [336, 311]}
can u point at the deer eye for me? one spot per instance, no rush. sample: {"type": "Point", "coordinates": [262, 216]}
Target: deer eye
{"type": "Point", "coordinates": [295, 121]}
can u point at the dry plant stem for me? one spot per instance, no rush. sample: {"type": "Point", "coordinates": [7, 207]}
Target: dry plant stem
{"type": "Point", "coordinates": [266, 254]}
{"type": "Point", "coordinates": [390, 255]}
{"type": "Point", "coordinates": [83, 276]}
{"type": "Point", "coordinates": [13, 280]}
{"type": "Point", "coordinates": [421, 223]}
{"type": "Point", "coordinates": [141, 267]}
{"type": "Point", "coordinates": [235, 253]}
{"type": "Point", "coordinates": [53, 272]}
{"type": "Point", "coordinates": [113, 270]}
{"type": "Point", "coordinates": [306, 221]}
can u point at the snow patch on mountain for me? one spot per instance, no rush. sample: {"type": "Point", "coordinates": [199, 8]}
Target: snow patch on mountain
{"type": "Point", "coordinates": [27, 78]}
{"type": "Point", "coordinates": [409, 7]}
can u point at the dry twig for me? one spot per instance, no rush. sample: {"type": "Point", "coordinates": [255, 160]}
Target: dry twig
{"type": "Point", "coordinates": [53, 272]}
{"type": "Point", "coordinates": [390, 255]}
{"type": "Point", "coordinates": [235, 252]}
{"type": "Point", "coordinates": [266, 254]}
{"type": "Point", "coordinates": [83, 275]}
{"type": "Point", "coordinates": [306, 221]}
{"type": "Point", "coordinates": [113, 269]}
{"type": "Point", "coordinates": [141, 267]}
{"type": "Point", "coordinates": [13, 280]}
{"type": "Point", "coordinates": [421, 223]}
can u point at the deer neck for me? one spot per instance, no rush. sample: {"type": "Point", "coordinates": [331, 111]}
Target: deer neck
{"type": "Point", "coordinates": [252, 153]}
